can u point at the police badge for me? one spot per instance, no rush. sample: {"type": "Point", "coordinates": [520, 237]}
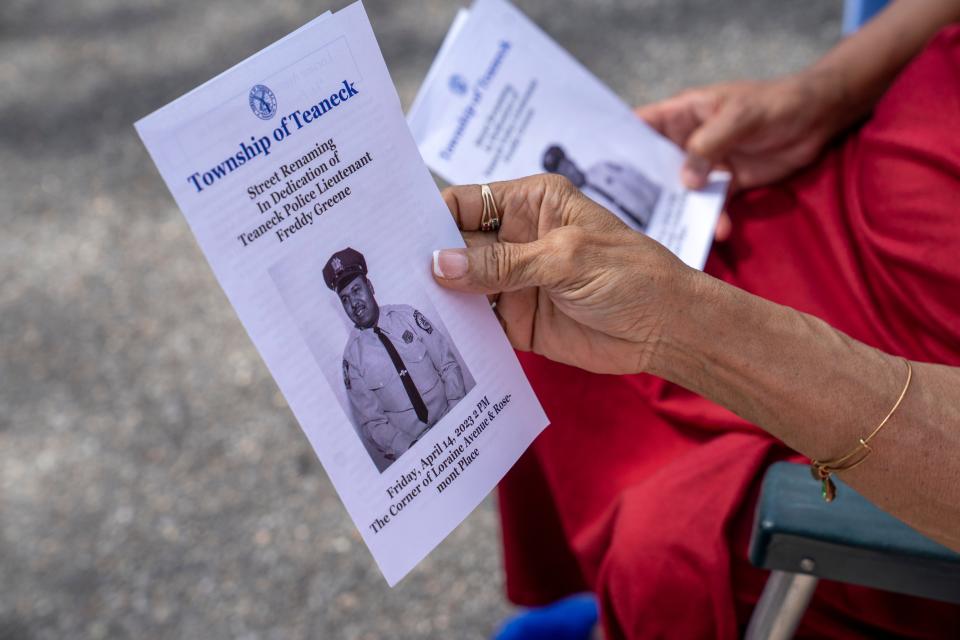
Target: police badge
{"type": "Point", "coordinates": [422, 322]}
{"type": "Point", "coordinates": [407, 336]}
{"type": "Point", "coordinates": [346, 375]}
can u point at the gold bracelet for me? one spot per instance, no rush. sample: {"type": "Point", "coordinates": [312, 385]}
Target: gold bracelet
{"type": "Point", "coordinates": [821, 470]}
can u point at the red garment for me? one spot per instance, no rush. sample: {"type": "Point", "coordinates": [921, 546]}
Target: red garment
{"type": "Point", "coordinates": [644, 492]}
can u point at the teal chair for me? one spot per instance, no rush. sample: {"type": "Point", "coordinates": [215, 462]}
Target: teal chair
{"type": "Point", "coordinates": [803, 539]}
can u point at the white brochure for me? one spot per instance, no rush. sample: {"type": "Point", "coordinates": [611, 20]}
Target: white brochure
{"type": "Point", "coordinates": [502, 100]}
{"type": "Point", "coordinates": [300, 179]}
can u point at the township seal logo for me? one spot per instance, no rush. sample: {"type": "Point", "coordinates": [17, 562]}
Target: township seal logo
{"type": "Point", "coordinates": [263, 102]}
{"type": "Point", "coordinates": [457, 84]}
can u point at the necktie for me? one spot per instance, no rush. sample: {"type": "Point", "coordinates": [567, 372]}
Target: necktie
{"type": "Point", "coordinates": [414, 395]}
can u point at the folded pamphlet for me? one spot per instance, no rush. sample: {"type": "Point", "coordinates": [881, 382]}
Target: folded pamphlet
{"type": "Point", "coordinates": [502, 100]}
{"type": "Point", "coordinates": [303, 186]}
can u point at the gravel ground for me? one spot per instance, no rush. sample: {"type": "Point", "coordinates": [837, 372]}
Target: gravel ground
{"type": "Point", "coordinates": [153, 483]}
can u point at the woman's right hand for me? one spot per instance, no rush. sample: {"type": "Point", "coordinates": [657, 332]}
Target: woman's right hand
{"type": "Point", "coordinates": [760, 131]}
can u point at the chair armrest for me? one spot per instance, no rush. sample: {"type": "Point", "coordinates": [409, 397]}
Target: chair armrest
{"type": "Point", "coordinates": [848, 540]}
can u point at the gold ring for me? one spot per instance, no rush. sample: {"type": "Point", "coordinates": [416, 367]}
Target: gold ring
{"type": "Point", "coordinates": [490, 220]}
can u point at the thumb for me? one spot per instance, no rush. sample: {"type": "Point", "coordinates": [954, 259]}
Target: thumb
{"type": "Point", "coordinates": [710, 143]}
{"type": "Point", "coordinates": [492, 268]}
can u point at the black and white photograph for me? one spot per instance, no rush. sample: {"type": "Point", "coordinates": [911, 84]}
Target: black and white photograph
{"type": "Point", "coordinates": [618, 186]}
{"type": "Point", "coordinates": [384, 351]}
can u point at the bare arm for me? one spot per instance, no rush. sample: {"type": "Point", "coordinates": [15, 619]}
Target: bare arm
{"type": "Point", "coordinates": [764, 131]}
{"type": "Point", "coordinates": [819, 391]}
{"type": "Point", "coordinates": [580, 288]}
{"type": "Point", "coordinates": [864, 64]}
{"type": "Point", "coordinates": [806, 383]}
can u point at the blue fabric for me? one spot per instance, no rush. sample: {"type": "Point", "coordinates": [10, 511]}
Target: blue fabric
{"type": "Point", "coordinates": [572, 618]}
{"type": "Point", "coordinates": [857, 12]}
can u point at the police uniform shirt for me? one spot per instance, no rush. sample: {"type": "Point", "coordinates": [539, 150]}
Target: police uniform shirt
{"type": "Point", "coordinates": [381, 404]}
{"type": "Point", "coordinates": [623, 190]}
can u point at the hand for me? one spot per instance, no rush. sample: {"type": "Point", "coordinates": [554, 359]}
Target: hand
{"type": "Point", "coordinates": [760, 131]}
{"type": "Point", "coordinates": [576, 285]}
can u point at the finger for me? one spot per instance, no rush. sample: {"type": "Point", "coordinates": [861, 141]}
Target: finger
{"type": "Point", "coordinates": [466, 202]}
{"type": "Point", "coordinates": [481, 239]}
{"type": "Point", "coordinates": [478, 238]}
{"type": "Point", "coordinates": [524, 205]}
{"type": "Point", "coordinates": [654, 114]}
{"type": "Point", "coordinates": [695, 172]}
{"type": "Point", "coordinates": [724, 227]}
{"type": "Point", "coordinates": [720, 131]}
{"type": "Point", "coordinates": [492, 268]}
{"type": "Point", "coordinates": [515, 310]}
{"type": "Point", "coordinates": [712, 141]}
{"type": "Point", "coordinates": [677, 117]}
{"type": "Point", "coordinates": [494, 300]}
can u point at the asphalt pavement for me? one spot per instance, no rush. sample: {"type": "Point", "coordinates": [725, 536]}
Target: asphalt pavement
{"type": "Point", "coordinates": [153, 483]}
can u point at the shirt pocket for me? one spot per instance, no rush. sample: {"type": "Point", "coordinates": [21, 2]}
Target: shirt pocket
{"type": "Point", "coordinates": [384, 381]}
{"type": "Point", "coordinates": [421, 367]}
{"type": "Point", "coordinates": [413, 354]}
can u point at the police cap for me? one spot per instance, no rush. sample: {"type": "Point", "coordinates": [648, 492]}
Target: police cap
{"type": "Point", "coordinates": [342, 267]}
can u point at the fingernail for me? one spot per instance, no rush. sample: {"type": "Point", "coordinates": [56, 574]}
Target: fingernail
{"type": "Point", "coordinates": [694, 172]}
{"type": "Point", "coordinates": [449, 264]}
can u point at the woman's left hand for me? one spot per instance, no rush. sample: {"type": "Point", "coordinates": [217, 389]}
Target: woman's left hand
{"type": "Point", "coordinates": [576, 285]}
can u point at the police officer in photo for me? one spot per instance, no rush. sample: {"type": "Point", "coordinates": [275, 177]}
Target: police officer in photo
{"type": "Point", "coordinates": [618, 187]}
{"type": "Point", "coordinates": [401, 374]}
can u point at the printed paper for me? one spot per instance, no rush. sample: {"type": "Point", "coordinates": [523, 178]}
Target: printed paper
{"type": "Point", "coordinates": [502, 101]}
{"type": "Point", "coordinates": [299, 177]}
